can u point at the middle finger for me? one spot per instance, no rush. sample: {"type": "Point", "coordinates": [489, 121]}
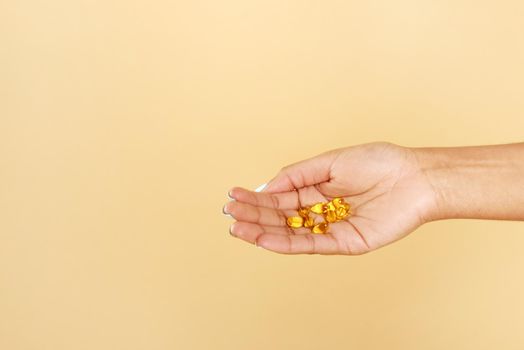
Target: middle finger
{"type": "Point", "coordinates": [261, 215]}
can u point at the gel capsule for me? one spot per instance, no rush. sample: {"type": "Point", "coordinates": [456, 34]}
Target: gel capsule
{"type": "Point", "coordinates": [329, 206]}
{"type": "Point", "coordinates": [303, 212]}
{"type": "Point", "coordinates": [295, 221]}
{"type": "Point", "coordinates": [341, 213]}
{"type": "Point", "coordinates": [338, 202]}
{"type": "Point", "coordinates": [317, 208]}
{"type": "Point", "coordinates": [331, 216]}
{"type": "Point", "coordinates": [309, 222]}
{"type": "Point", "coordinates": [320, 228]}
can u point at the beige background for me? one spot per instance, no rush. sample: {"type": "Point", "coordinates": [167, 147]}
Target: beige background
{"type": "Point", "coordinates": [124, 123]}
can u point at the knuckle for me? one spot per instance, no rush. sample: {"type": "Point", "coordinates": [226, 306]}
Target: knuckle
{"type": "Point", "coordinates": [276, 202]}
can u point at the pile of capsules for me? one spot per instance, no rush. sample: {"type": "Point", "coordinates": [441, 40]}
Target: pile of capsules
{"type": "Point", "coordinates": [335, 210]}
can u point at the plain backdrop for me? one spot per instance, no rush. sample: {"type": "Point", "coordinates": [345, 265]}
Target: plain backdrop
{"type": "Point", "coordinates": [124, 123]}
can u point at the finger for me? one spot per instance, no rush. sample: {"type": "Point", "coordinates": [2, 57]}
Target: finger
{"type": "Point", "coordinates": [250, 213]}
{"type": "Point", "coordinates": [299, 244]}
{"type": "Point", "coordinates": [308, 172]}
{"type": "Point", "coordinates": [249, 231]}
{"type": "Point", "coordinates": [285, 200]}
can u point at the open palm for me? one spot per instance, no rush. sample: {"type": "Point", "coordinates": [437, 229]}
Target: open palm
{"type": "Point", "coordinates": [388, 192]}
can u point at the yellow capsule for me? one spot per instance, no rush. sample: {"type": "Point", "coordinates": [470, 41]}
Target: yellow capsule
{"type": "Point", "coordinates": [309, 222]}
{"type": "Point", "coordinates": [295, 221]}
{"type": "Point", "coordinates": [320, 228]}
{"type": "Point", "coordinates": [341, 213]}
{"type": "Point", "coordinates": [329, 206]}
{"type": "Point", "coordinates": [341, 210]}
{"type": "Point", "coordinates": [330, 216]}
{"type": "Point", "coordinates": [317, 208]}
{"type": "Point", "coordinates": [338, 202]}
{"type": "Point", "coordinates": [303, 212]}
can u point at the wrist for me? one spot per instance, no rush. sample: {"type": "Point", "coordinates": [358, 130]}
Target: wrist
{"type": "Point", "coordinates": [431, 169]}
{"type": "Point", "coordinates": [440, 171]}
{"type": "Point", "coordinates": [480, 182]}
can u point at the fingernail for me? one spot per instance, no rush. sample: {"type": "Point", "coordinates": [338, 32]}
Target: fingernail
{"type": "Point", "coordinates": [261, 187]}
{"type": "Point", "coordinates": [225, 211]}
{"type": "Point", "coordinates": [229, 195]}
{"type": "Point", "coordinates": [231, 230]}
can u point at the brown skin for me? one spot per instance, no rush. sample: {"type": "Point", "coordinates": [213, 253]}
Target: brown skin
{"type": "Point", "coordinates": [476, 182]}
{"type": "Point", "coordinates": [392, 191]}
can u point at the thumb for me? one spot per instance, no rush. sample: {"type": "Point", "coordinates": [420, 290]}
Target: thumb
{"type": "Point", "coordinates": [307, 172]}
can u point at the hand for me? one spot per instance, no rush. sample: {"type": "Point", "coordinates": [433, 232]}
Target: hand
{"type": "Point", "coordinates": [389, 194]}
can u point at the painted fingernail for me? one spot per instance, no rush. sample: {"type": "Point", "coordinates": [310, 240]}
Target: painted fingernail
{"type": "Point", "coordinates": [261, 187]}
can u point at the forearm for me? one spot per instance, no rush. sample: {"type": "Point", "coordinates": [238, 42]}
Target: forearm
{"type": "Point", "coordinates": [475, 182]}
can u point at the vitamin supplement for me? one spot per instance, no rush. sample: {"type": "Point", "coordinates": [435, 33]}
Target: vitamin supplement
{"type": "Point", "coordinates": [331, 216]}
{"type": "Point", "coordinates": [309, 222]}
{"type": "Point", "coordinates": [329, 206]}
{"type": "Point", "coordinates": [338, 202]}
{"type": "Point", "coordinates": [320, 228]}
{"type": "Point", "coordinates": [341, 213]}
{"type": "Point", "coordinates": [333, 211]}
{"type": "Point", "coordinates": [295, 221]}
{"type": "Point", "coordinates": [303, 212]}
{"type": "Point", "coordinates": [317, 208]}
